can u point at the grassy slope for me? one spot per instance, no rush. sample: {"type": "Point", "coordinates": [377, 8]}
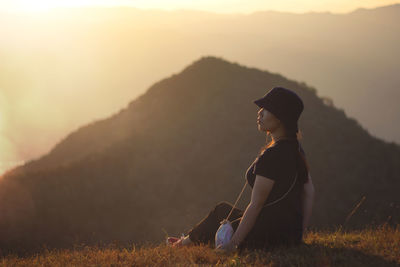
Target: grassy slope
{"type": "Point", "coordinates": [369, 247]}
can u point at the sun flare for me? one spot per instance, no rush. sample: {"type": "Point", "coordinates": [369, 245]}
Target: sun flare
{"type": "Point", "coordinates": [27, 5]}
{"type": "Point", "coordinates": [44, 5]}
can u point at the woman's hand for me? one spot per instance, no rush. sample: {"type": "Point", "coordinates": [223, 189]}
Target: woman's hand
{"type": "Point", "coordinates": [177, 243]}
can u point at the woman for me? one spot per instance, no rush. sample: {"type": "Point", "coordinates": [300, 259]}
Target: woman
{"type": "Point", "coordinates": [279, 174]}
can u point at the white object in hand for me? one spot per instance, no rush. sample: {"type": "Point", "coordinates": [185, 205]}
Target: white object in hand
{"type": "Point", "coordinates": [223, 234]}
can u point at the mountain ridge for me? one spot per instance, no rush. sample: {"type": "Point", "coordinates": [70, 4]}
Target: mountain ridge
{"type": "Point", "coordinates": [348, 58]}
{"type": "Point", "coordinates": [205, 12]}
{"type": "Point", "coordinates": [191, 135]}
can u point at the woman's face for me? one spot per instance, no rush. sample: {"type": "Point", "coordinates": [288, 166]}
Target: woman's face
{"type": "Point", "coordinates": [267, 121]}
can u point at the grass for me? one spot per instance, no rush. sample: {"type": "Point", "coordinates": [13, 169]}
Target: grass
{"type": "Point", "coordinates": [369, 247]}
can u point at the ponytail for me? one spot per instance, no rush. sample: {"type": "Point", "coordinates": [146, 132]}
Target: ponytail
{"type": "Point", "coordinates": [302, 164]}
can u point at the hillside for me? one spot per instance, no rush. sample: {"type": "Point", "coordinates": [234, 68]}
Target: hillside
{"type": "Point", "coordinates": [370, 247]}
{"type": "Point", "coordinates": [96, 60]}
{"type": "Point", "coordinates": [149, 167]}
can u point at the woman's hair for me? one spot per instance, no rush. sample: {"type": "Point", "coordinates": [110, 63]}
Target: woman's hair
{"type": "Point", "coordinates": [302, 162]}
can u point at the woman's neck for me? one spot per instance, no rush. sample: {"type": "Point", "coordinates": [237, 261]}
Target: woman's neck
{"type": "Point", "coordinates": [280, 134]}
{"type": "Point", "coordinates": [277, 138]}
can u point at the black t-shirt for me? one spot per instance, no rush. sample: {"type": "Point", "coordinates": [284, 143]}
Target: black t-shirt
{"type": "Point", "coordinates": [283, 219]}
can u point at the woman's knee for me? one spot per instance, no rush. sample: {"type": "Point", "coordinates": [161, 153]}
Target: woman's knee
{"type": "Point", "coordinates": [223, 205]}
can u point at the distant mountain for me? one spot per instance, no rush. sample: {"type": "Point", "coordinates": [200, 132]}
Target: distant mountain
{"type": "Point", "coordinates": [165, 160]}
{"type": "Point", "coordinates": [109, 56]}
{"type": "Point", "coordinates": [383, 11]}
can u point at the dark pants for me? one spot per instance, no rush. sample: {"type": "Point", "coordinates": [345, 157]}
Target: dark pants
{"type": "Point", "coordinates": [257, 238]}
{"type": "Point", "coordinates": [204, 231]}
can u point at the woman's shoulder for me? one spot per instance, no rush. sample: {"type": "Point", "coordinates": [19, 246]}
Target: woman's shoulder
{"type": "Point", "coordinates": [270, 153]}
{"type": "Point", "coordinates": [271, 163]}
{"type": "Point", "coordinates": [279, 152]}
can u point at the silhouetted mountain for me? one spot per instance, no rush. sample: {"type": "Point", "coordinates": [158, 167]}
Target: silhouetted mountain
{"type": "Point", "coordinates": [166, 159]}
{"type": "Point", "coordinates": [111, 55]}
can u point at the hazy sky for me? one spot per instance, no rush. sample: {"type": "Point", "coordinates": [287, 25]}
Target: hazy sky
{"type": "Point", "coordinates": [219, 6]}
{"type": "Point", "coordinates": [28, 129]}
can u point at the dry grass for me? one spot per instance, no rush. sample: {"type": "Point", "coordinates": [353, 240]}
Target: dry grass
{"type": "Point", "coordinates": [369, 247]}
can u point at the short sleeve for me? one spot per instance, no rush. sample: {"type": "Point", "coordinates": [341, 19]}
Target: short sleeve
{"type": "Point", "coordinates": [267, 165]}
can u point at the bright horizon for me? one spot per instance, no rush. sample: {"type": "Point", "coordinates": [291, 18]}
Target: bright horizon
{"type": "Point", "coordinates": [221, 6]}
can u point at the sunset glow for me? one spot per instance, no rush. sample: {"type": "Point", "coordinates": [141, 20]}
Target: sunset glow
{"type": "Point", "coordinates": [222, 6]}
{"type": "Point", "coordinates": [62, 69]}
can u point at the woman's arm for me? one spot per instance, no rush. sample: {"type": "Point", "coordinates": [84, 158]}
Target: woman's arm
{"type": "Point", "coordinates": [307, 198]}
{"type": "Point", "coordinates": [261, 189]}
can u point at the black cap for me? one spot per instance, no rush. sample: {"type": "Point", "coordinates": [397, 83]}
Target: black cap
{"type": "Point", "coordinates": [285, 104]}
